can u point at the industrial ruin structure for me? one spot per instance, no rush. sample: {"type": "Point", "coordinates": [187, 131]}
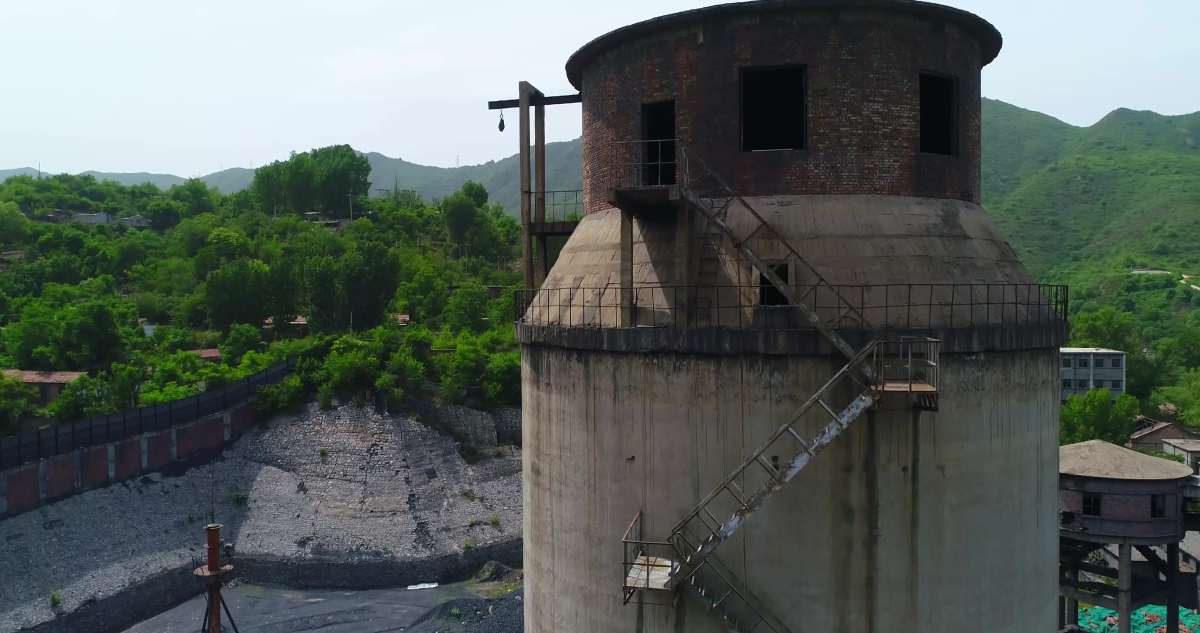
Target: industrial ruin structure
{"type": "Point", "coordinates": [785, 374]}
{"type": "Point", "coordinates": [1114, 501]}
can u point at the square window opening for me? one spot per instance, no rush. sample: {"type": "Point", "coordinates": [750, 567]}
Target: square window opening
{"type": "Point", "coordinates": [1116, 362]}
{"type": "Point", "coordinates": [939, 115]}
{"type": "Point", "coordinates": [768, 294]}
{"type": "Point", "coordinates": [658, 149]}
{"type": "Point", "coordinates": [1066, 361]}
{"type": "Point", "coordinates": [1091, 505]}
{"type": "Point", "coordinates": [1067, 384]}
{"type": "Point", "coordinates": [773, 108]}
{"type": "Point", "coordinates": [1158, 506]}
{"type": "Point", "coordinates": [1083, 362]}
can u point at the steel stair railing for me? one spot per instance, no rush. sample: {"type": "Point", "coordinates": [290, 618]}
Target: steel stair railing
{"type": "Point", "coordinates": [698, 568]}
{"type": "Point", "coordinates": [703, 521]}
{"type": "Point", "coordinates": [715, 207]}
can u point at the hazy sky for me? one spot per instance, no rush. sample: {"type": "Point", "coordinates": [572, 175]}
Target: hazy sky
{"type": "Point", "coordinates": [193, 87]}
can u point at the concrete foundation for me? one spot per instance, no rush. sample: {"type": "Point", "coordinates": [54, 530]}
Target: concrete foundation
{"type": "Point", "coordinates": [939, 522]}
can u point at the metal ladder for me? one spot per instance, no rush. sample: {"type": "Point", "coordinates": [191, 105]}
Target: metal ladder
{"type": "Point", "coordinates": [700, 532]}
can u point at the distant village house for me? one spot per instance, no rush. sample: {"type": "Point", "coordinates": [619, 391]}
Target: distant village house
{"type": "Point", "coordinates": [49, 384]}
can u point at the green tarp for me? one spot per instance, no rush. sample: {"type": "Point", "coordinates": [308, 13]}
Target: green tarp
{"type": "Point", "coordinates": [1148, 619]}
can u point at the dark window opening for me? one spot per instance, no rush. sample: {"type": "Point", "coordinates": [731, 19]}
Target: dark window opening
{"type": "Point", "coordinates": [658, 137]}
{"type": "Point", "coordinates": [1066, 361]}
{"type": "Point", "coordinates": [1083, 362]}
{"type": "Point", "coordinates": [768, 294]}
{"type": "Point", "coordinates": [773, 108]}
{"type": "Point", "coordinates": [1116, 362]}
{"type": "Point", "coordinates": [1116, 384]}
{"type": "Point", "coordinates": [1091, 505]}
{"type": "Point", "coordinates": [1067, 384]}
{"type": "Point", "coordinates": [1158, 506]}
{"type": "Point", "coordinates": [939, 115]}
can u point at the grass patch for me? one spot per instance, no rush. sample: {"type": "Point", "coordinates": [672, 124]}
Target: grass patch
{"type": "Point", "coordinates": [494, 521]}
{"type": "Point", "coordinates": [239, 499]}
{"type": "Point", "coordinates": [55, 600]}
{"type": "Point", "coordinates": [324, 453]}
{"type": "Point", "coordinates": [468, 545]}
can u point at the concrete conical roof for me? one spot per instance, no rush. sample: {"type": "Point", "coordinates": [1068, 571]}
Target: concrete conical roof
{"type": "Point", "coordinates": [1097, 458]}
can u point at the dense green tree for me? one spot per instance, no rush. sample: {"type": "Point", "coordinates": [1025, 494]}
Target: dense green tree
{"type": "Point", "coordinates": [1097, 415]}
{"type": "Point", "coordinates": [17, 401]}
{"type": "Point", "coordinates": [238, 292]}
{"type": "Point", "coordinates": [195, 197]}
{"type": "Point", "coordinates": [14, 226]}
{"type": "Point", "coordinates": [467, 308]}
{"type": "Point", "coordinates": [242, 338]}
{"type": "Point", "coordinates": [1184, 394]}
{"type": "Point", "coordinates": [212, 266]}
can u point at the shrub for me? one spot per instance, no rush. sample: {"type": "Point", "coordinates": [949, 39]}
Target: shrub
{"type": "Point", "coordinates": [283, 396]}
{"type": "Point", "coordinates": [502, 379]}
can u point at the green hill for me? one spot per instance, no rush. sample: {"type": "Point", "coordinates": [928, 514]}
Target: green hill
{"type": "Point", "coordinates": [563, 171]}
{"type": "Point", "coordinates": [1079, 203]}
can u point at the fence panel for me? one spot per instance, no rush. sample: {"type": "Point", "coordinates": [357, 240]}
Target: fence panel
{"type": "Point", "coordinates": [30, 446]}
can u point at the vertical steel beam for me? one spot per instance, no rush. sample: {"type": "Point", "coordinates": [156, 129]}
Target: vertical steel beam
{"type": "Point", "coordinates": [683, 273]}
{"type": "Point", "coordinates": [1173, 587]}
{"type": "Point", "coordinates": [1125, 589]}
{"type": "Point", "coordinates": [525, 91]}
{"type": "Point", "coordinates": [626, 262]}
{"type": "Point", "coordinates": [539, 207]}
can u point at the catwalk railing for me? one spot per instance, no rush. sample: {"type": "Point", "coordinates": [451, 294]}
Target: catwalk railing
{"type": "Point", "coordinates": [878, 307]}
{"type": "Point", "coordinates": [63, 437]}
{"type": "Point", "coordinates": [563, 205]}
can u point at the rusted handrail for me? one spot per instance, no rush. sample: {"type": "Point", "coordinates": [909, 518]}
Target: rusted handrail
{"type": "Point", "coordinates": [888, 306]}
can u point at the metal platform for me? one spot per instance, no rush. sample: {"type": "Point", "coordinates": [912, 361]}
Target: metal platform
{"type": "Point", "coordinates": [650, 573]}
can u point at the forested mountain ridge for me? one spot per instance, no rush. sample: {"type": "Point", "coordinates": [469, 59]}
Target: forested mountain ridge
{"type": "Point", "coordinates": [388, 174]}
{"type": "Point", "coordinates": [1078, 202]}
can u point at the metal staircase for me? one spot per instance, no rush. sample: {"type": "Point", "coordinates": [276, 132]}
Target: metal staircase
{"type": "Point", "coordinates": [686, 559]}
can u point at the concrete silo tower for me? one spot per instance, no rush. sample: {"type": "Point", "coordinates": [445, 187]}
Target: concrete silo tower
{"type": "Point", "coordinates": [785, 374]}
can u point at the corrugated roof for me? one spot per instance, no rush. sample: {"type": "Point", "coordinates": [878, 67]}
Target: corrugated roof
{"type": "Point", "coordinates": [1156, 426]}
{"type": "Point", "coordinates": [1188, 445]}
{"type": "Point", "coordinates": [43, 377]}
{"type": "Point", "coordinates": [1097, 458]}
{"type": "Point", "coordinates": [210, 353]}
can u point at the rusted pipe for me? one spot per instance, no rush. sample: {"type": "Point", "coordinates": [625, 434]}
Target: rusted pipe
{"type": "Point", "coordinates": [214, 580]}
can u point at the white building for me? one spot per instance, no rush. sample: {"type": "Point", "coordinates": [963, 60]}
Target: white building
{"type": "Point", "coordinates": [1086, 368]}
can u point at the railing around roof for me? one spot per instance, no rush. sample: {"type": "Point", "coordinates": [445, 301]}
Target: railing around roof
{"type": "Point", "coordinates": [63, 437]}
{"type": "Point", "coordinates": [887, 306]}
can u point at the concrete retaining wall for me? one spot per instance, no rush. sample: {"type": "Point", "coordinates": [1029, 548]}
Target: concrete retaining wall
{"type": "Point", "coordinates": [26, 487]}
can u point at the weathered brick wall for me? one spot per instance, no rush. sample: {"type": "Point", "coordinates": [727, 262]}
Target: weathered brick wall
{"type": "Point", "coordinates": [1124, 506]}
{"type": "Point", "coordinates": [26, 487]}
{"type": "Point", "coordinates": [863, 67]}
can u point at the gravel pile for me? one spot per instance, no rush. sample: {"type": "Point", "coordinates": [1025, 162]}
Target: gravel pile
{"type": "Point", "coordinates": [345, 484]}
{"type": "Point", "coordinates": [473, 615]}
